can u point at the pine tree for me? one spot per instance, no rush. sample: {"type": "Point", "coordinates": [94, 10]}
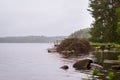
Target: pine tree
{"type": "Point", "coordinates": [105, 24]}
{"type": "Point", "coordinates": [118, 15]}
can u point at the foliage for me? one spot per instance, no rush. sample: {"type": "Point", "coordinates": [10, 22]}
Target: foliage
{"type": "Point", "coordinates": [118, 29]}
{"type": "Point", "coordinates": [96, 44]}
{"type": "Point", "coordinates": [118, 24]}
{"type": "Point", "coordinates": [105, 25]}
{"type": "Point", "coordinates": [101, 44]}
{"type": "Point", "coordinates": [95, 72]}
{"type": "Point", "coordinates": [118, 57]}
{"type": "Point", "coordinates": [111, 76]}
{"type": "Point", "coordinates": [115, 47]}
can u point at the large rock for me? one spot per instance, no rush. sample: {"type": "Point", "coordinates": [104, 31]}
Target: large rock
{"type": "Point", "coordinates": [83, 64]}
{"type": "Point", "coordinates": [74, 46]}
{"type": "Point", "coordinates": [65, 67]}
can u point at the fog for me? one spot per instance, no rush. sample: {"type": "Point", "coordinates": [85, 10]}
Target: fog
{"type": "Point", "coordinates": [43, 17]}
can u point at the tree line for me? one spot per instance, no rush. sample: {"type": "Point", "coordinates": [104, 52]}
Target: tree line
{"type": "Point", "coordinates": [106, 24]}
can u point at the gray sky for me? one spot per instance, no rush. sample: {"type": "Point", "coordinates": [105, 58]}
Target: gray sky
{"type": "Point", "coordinates": [43, 17]}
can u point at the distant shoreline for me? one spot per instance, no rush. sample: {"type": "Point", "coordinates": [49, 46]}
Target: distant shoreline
{"type": "Point", "coordinates": [30, 39]}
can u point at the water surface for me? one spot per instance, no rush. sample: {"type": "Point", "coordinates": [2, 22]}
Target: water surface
{"type": "Point", "coordinates": [31, 61]}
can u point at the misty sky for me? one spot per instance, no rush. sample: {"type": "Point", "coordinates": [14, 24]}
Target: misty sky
{"type": "Point", "coordinates": [43, 17]}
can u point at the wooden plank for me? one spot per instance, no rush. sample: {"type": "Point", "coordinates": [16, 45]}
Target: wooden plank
{"type": "Point", "coordinates": [112, 61]}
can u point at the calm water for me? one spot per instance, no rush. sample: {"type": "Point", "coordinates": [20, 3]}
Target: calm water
{"type": "Point", "coordinates": [33, 62]}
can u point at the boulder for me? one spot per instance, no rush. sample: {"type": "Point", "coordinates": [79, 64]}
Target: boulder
{"type": "Point", "coordinates": [83, 64]}
{"type": "Point", "coordinates": [65, 67]}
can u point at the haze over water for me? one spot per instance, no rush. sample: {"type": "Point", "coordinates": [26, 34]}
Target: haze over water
{"type": "Point", "coordinates": [43, 17]}
{"type": "Point", "coordinates": [33, 62]}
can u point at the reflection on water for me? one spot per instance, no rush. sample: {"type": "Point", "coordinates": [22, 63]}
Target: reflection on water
{"type": "Point", "coordinates": [33, 62]}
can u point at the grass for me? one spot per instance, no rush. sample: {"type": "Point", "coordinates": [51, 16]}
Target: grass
{"type": "Point", "coordinates": [116, 46]}
{"type": "Point", "coordinates": [101, 44]}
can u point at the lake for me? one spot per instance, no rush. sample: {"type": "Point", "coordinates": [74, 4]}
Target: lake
{"type": "Point", "coordinates": [31, 61]}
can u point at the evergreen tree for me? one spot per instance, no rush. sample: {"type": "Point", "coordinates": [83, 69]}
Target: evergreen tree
{"type": "Point", "coordinates": [105, 24]}
{"type": "Point", "coordinates": [118, 15]}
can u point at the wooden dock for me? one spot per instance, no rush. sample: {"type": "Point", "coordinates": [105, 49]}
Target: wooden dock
{"type": "Point", "coordinates": [112, 61]}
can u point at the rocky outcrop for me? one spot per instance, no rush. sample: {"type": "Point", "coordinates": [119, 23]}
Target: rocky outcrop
{"type": "Point", "coordinates": [74, 46]}
{"type": "Point", "coordinates": [83, 64]}
{"type": "Point", "coordinates": [86, 64]}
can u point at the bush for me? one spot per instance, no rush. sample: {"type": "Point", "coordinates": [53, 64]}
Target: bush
{"type": "Point", "coordinates": [74, 44]}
